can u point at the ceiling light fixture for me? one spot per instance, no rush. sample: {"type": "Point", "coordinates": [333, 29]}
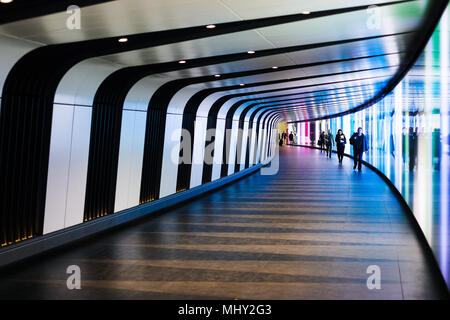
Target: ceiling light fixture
{"type": "Point", "coordinates": [182, 61]}
{"type": "Point", "coordinates": [211, 26]}
{"type": "Point", "coordinates": [241, 84]}
{"type": "Point", "coordinates": [274, 67]}
{"type": "Point", "coordinates": [305, 12]}
{"type": "Point", "coordinates": [123, 39]}
{"type": "Point", "coordinates": [217, 75]}
{"type": "Point", "coordinates": [6, 1]}
{"type": "Point", "coordinates": [250, 52]}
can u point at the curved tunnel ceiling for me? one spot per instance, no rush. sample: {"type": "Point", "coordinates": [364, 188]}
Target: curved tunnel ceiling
{"type": "Point", "coordinates": [329, 52]}
{"type": "Point", "coordinates": [259, 64]}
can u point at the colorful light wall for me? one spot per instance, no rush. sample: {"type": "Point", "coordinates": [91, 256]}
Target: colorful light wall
{"type": "Point", "coordinates": [409, 140]}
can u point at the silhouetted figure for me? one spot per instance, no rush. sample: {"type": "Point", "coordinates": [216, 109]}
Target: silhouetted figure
{"type": "Point", "coordinates": [436, 138]}
{"type": "Point", "coordinates": [359, 143]}
{"type": "Point", "coordinates": [412, 142]}
{"type": "Point", "coordinates": [284, 137]}
{"type": "Point", "coordinates": [291, 138]}
{"type": "Point", "coordinates": [341, 140]}
{"type": "Point", "coordinates": [322, 141]}
{"type": "Point", "coordinates": [392, 145]}
{"type": "Point", "coordinates": [405, 137]}
{"type": "Point", "coordinates": [329, 142]}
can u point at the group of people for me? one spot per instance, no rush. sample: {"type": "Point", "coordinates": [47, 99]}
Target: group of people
{"type": "Point", "coordinates": [282, 138]}
{"type": "Point", "coordinates": [358, 141]}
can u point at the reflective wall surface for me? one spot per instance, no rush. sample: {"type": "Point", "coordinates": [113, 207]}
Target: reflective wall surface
{"type": "Point", "coordinates": [409, 140]}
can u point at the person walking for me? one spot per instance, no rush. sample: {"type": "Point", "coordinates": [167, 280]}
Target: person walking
{"type": "Point", "coordinates": [412, 143]}
{"type": "Point", "coordinates": [322, 141]}
{"type": "Point", "coordinates": [291, 138]}
{"type": "Point", "coordinates": [341, 140]}
{"type": "Point", "coordinates": [329, 142]}
{"type": "Point", "coordinates": [359, 143]}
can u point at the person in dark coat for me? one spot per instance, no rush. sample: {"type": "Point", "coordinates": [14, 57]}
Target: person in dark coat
{"type": "Point", "coordinates": [359, 143]}
{"type": "Point", "coordinates": [341, 140]}
{"type": "Point", "coordinates": [291, 138]}
{"type": "Point", "coordinates": [329, 142]}
{"type": "Point", "coordinates": [412, 142]}
{"type": "Point", "coordinates": [322, 141]}
{"type": "Point", "coordinates": [284, 138]}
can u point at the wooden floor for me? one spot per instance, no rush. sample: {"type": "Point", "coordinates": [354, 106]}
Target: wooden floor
{"type": "Point", "coordinates": [309, 232]}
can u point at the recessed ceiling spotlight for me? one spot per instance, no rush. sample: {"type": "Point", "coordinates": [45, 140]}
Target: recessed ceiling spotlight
{"type": "Point", "coordinates": [217, 75]}
{"type": "Point", "coordinates": [305, 12]}
{"type": "Point", "coordinates": [6, 1]}
{"type": "Point", "coordinates": [182, 61]}
{"type": "Point", "coordinates": [211, 26]}
{"type": "Point", "coordinates": [241, 84]}
{"type": "Point", "coordinates": [123, 39]}
{"type": "Point", "coordinates": [274, 67]}
{"type": "Point", "coordinates": [250, 52]}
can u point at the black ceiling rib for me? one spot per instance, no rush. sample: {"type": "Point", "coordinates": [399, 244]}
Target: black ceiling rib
{"type": "Point", "coordinates": [41, 102]}
{"type": "Point", "coordinates": [165, 93]}
{"type": "Point", "coordinates": [30, 88]}
{"type": "Point", "coordinates": [289, 106]}
{"type": "Point", "coordinates": [265, 103]}
{"type": "Point", "coordinates": [303, 101]}
{"type": "Point", "coordinates": [114, 89]}
{"type": "Point", "coordinates": [280, 105]}
{"type": "Point", "coordinates": [188, 118]}
{"type": "Point", "coordinates": [118, 84]}
{"type": "Point", "coordinates": [256, 110]}
{"type": "Point", "coordinates": [264, 83]}
{"type": "Point", "coordinates": [287, 100]}
{"type": "Point", "coordinates": [310, 86]}
{"type": "Point", "coordinates": [290, 101]}
{"type": "Point", "coordinates": [184, 170]}
{"type": "Point", "coordinates": [213, 111]}
{"type": "Point", "coordinates": [243, 114]}
{"type": "Point", "coordinates": [325, 96]}
{"type": "Point", "coordinates": [199, 96]}
{"type": "Point", "coordinates": [324, 99]}
{"type": "Point", "coordinates": [264, 115]}
{"type": "Point", "coordinates": [216, 106]}
{"type": "Point", "coordinates": [266, 148]}
{"type": "Point", "coordinates": [25, 9]}
{"type": "Point", "coordinates": [267, 122]}
{"type": "Point", "coordinates": [247, 109]}
{"type": "Point", "coordinates": [307, 92]}
{"type": "Point", "coordinates": [294, 106]}
{"type": "Point", "coordinates": [433, 15]}
{"type": "Point", "coordinates": [162, 96]}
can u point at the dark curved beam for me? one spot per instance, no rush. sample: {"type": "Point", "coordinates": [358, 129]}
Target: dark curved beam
{"type": "Point", "coordinates": [27, 109]}
{"type": "Point", "coordinates": [287, 104]}
{"type": "Point", "coordinates": [111, 96]}
{"type": "Point", "coordinates": [163, 95]}
{"type": "Point", "coordinates": [27, 104]}
{"type": "Point", "coordinates": [195, 100]}
{"type": "Point", "coordinates": [433, 15]}
{"type": "Point", "coordinates": [214, 110]}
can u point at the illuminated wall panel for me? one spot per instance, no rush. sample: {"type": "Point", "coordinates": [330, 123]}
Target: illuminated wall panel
{"type": "Point", "coordinates": [409, 140]}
